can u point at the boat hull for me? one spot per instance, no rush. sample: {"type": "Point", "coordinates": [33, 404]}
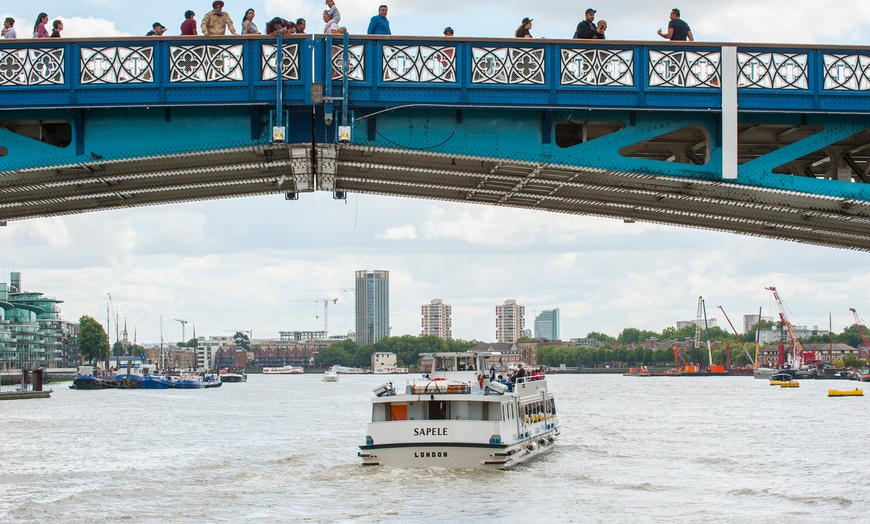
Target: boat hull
{"type": "Point", "coordinates": [849, 393]}
{"type": "Point", "coordinates": [457, 455]}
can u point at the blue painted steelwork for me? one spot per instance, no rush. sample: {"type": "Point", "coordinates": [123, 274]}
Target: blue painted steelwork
{"type": "Point", "coordinates": [138, 97]}
{"type": "Point", "coordinates": [388, 72]}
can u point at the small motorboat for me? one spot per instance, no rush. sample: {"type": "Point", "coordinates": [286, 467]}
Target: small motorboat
{"type": "Point", "coordinates": [783, 378]}
{"type": "Point", "coordinates": [848, 393]}
{"type": "Point", "coordinates": [330, 376]}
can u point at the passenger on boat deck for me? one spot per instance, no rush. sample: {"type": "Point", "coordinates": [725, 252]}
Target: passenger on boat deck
{"type": "Point", "coordinates": [492, 373]}
{"type": "Point", "coordinates": [471, 367]}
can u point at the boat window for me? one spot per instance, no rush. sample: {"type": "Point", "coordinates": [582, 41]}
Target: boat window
{"type": "Point", "coordinates": [437, 410]}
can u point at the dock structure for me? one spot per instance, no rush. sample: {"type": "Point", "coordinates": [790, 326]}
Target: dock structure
{"type": "Point", "coordinates": [31, 386]}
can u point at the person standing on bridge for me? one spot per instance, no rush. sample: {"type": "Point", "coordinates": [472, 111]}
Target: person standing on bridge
{"type": "Point", "coordinates": [216, 22]}
{"type": "Point", "coordinates": [56, 28]}
{"type": "Point", "coordinates": [587, 28]}
{"type": "Point", "coordinates": [248, 25]}
{"type": "Point", "coordinates": [157, 29]}
{"type": "Point", "coordinates": [8, 30]}
{"type": "Point", "coordinates": [39, 30]}
{"type": "Point", "coordinates": [188, 27]}
{"type": "Point", "coordinates": [301, 25]}
{"type": "Point", "coordinates": [523, 30]}
{"type": "Point", "coordinates": [379, 25]}
{"type": "Point", "coordinates": [677, 29]}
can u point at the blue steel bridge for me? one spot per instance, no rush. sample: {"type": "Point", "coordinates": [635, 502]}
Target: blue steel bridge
{"type": "Point", "coordinates": [770, 141]}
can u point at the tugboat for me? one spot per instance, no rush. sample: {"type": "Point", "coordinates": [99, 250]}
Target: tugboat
{"type": "Point", "coordinates": [459, 417]}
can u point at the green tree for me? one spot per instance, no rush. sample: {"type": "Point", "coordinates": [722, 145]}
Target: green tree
{"type": "Point", "coordinates": [241, 339]}
{"type": "Point", "coordinates": [852, 361]}
{"type": "Point", "coordinates": [192, 343]}
{"type": "Point", "coordinates": [602, 338]}
{"type": "Point", "coordinates": [93, 342]}
{"type": "Point", "coordinates": [852, 336]}
{"type": "Point", "coordinates": [634, 336]}
{"type": "Point", "coordinates": [332, 356]}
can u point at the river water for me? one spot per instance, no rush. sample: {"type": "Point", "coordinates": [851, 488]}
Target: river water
{"type": "Point", "coordinates": [283, 449]}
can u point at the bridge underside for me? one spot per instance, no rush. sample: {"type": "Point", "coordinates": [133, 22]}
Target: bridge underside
{"type": "Point", "coordinates": [800, 178]}
{"type": "Point", "coordinates": [299, 168]}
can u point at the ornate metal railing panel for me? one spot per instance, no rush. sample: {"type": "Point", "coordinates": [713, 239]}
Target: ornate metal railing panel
{"type": "Point", "coordinates": [116, 65]}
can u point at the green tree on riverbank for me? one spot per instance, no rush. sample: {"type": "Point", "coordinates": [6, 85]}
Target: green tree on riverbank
{"type": "Point", "coordinates": [93, 342]}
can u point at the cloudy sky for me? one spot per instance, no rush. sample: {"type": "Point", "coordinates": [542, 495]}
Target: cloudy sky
{"type": "Point", "coordinates": [247, 264]}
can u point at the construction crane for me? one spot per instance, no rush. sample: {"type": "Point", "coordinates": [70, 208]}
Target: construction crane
{"type": "Point", "coordinates": [702, 315]}
{"type": "Point", "coordinates": [678, 353]}
{"type": "Point", "coordinates": [861, 329]}
{"type": "Point", "coordinates": [326, 302]}
{"type": "Point", "coordinates": [797, 348]}
{"type": "Point", "coordinates": [754, 366]}
{"type": "Point", "coordinates": [183, 323]}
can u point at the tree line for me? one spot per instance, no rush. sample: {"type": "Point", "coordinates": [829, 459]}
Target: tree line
{"type": "Point", "coordinates": [623, 349]}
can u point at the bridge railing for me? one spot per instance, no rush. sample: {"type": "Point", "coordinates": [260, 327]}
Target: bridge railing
{"type": "Point", "coordinates": [449, 71]}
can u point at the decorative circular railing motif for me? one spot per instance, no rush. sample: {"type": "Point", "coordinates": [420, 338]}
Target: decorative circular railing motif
{"type": "Point", "coordinates": [289, 62]}
{"type": "Point", "coordinates": [772, 70]}
{"type": "Point", "coordinates": [684, 69]}
{"type": "Point", "coordinates": [206, 63]}
{"type": "Point", "coordinates": [508, 65]}
{"type": "Point", "coordinates": [597, 67]}
{"type": "Point", "coordinates": [356, 62]}
{"type": "Point", "coordinates": [117, 65]}
{"type": "Point", "coordinates": [419, 63]}
{"type": "Point", "coordinates": [847, 72]}
{"type": "Point", "coordinates": [32, 67]}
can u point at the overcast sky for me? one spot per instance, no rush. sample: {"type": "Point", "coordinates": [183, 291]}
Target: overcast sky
{"type": "Point", "coordinates": [237, 264]}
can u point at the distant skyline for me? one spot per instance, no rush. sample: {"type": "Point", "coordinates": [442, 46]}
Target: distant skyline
{"type": "Point", "coordinates": [235, 264]}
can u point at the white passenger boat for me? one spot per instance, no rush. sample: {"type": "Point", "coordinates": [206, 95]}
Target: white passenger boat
{"type": "Point", "coordinates": [284, 370]}
{"type": "Point", "coordinates": [330, 376]}
{"type": "Point", "coordinates": [460, 419]}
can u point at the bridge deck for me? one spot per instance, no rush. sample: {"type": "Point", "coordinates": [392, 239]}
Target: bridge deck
{"type": "Point", "coordinates": [619, 129]}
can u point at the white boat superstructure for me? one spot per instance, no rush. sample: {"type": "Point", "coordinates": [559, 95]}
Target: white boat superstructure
{"type": "Point", "coordinates": [284, 370]}
{"type": "Point", "coordinates": [456, 417]}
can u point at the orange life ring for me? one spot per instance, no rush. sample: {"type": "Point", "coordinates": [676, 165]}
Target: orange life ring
{"type": "Point", "coordinates": [480, 380]}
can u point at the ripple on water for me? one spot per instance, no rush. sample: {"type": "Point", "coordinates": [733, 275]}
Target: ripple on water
{"type": "Point", "coordinates": [284, 449]}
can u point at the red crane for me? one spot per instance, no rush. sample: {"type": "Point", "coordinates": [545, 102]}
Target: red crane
{"type": "Point", "coordinates": [861, 329]}
{"type": "Point", "coordinates": [677, 353]}
{"type": "Point", "coordinates": [798, 356]}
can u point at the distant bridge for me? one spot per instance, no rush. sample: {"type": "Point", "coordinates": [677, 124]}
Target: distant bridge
{"type": "Point", "coordinates": [771, 141]}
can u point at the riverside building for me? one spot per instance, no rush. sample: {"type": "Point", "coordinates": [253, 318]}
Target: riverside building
{"type": "Point", "coordinates": [32, 332]}
{"type": "Point", "coordinates": [436, 319]}
{"type": "Point", "coordinates": [509, 321]}
{"type": "Point", "coordinates": [547, 324]}
{"type": "Point", "coordinates": [372, 306]}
